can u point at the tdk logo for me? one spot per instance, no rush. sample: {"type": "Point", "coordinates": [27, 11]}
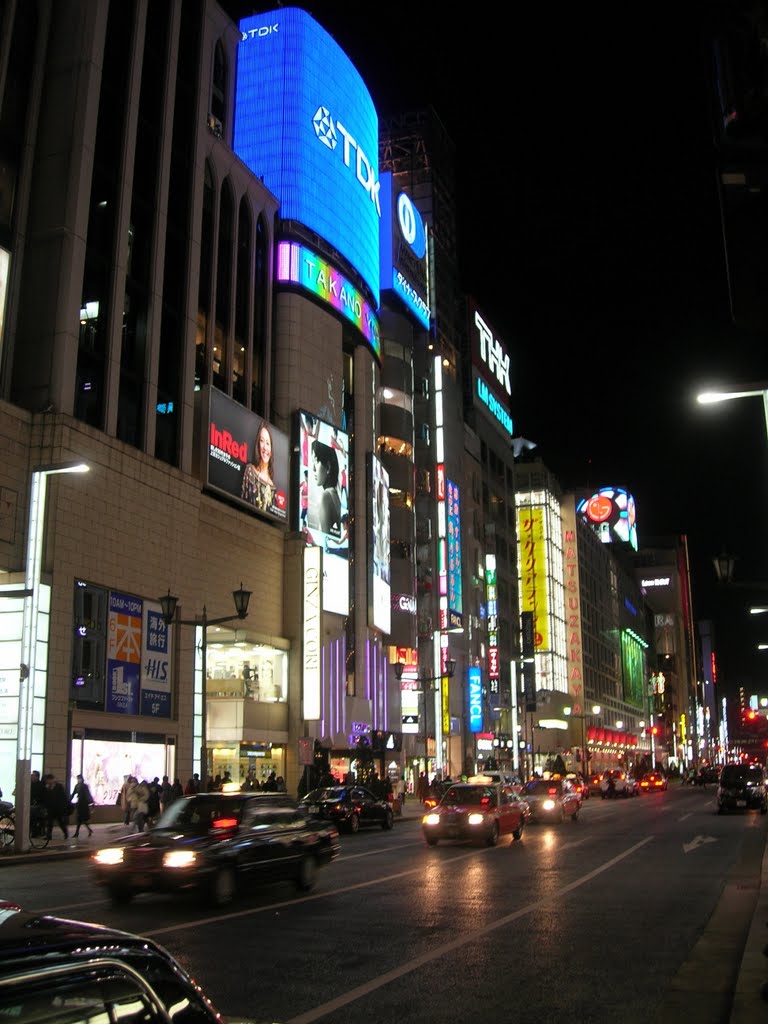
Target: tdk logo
{"type": "Point", "coordinates": [328, 131]}
{"type": "Point", "coordinates": [262, 30]}
{"type": "Point", "coordinates": [492, 354]}
{"type": "Point", "coordinates": [411, 225]}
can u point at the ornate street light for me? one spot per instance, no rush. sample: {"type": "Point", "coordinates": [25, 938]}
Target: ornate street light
{"type": "Point", "coordinates": [169, 609]}
{"type": "Point", "coordinates": [427, 685]}
{"type": "Point", "coordinates": [570, 713]}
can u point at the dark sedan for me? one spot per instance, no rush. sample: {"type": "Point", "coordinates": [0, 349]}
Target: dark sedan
{"type": "Point", "coordinates": [552, 800]}
{"type": "Point", "coordinates": [349, 807]}
{"type": "Point", "coordinates": [215, 842]}
{"type": "Point", "coordinates": [60, 971]}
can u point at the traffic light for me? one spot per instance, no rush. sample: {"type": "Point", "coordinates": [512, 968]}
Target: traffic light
{"type": "Point", "coordinates": [654, 730]}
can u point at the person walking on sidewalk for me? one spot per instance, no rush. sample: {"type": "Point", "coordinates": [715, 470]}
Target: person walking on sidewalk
{"type": "Point", "coordinates": [83, 801]}
{"type": "Point", "coordinates": [57, 805]}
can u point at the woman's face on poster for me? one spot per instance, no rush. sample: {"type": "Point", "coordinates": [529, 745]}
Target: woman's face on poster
{"type": "Point", "coordinates": [265, 446]}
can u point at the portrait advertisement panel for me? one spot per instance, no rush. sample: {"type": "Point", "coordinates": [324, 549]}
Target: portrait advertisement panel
{"type": "Point", "coordinates": [380, 607]}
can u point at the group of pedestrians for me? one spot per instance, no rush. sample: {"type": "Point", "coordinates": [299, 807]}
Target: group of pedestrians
{"type": "Point", "coordinates": [49, 800]}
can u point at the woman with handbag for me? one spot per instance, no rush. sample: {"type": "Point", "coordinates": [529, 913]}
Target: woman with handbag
{"type": "Point", "coordinates": [82, 800]}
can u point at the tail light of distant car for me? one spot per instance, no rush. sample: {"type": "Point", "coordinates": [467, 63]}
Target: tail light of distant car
{"type": "Point", "coordinates": [431, 801]}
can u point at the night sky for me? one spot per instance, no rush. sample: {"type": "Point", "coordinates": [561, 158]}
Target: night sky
{"type": "Point", "coordinates": [590, 235]}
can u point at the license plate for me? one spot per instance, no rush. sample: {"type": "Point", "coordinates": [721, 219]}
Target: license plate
{"type": "Point", "coordinates": [313, 809]}
{"type": "Point", "coordinates": [741, 803]}
{"type": "Point", "coordinates": [139, 881]}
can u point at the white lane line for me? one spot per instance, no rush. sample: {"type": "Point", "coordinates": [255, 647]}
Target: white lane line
{"type": "Point", "coordinates": [450, 947]}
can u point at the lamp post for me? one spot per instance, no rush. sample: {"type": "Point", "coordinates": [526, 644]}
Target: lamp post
{"type": "Point", "coordinates": [570, 713]}
{"type": "Point", "coordinates": [424, 680]}
{"type": "Point", "coordinates": [740, 391]}
{"type": "Point", "coordinates": [169, 611]}
{"type": "Point", "coordinates": [28, 669]}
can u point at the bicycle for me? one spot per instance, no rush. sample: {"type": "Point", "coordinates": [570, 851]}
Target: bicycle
{"type": "Point", "coordinates": [38, 827]}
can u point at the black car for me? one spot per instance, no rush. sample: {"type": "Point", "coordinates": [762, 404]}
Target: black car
{"type": "Point", "coordinates": [742, 787]}
{"type": "Point", "coordinates": [57, 971]}
{"type": "Point", "coordinates": [214, 842]}
{"type": "Point", "coordinates": [349, 807]}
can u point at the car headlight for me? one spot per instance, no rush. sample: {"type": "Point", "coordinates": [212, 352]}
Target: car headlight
{"type": "Point", "coordinates": [179, 858]}
{"type": "Point", "coordinates": [431, 819]}
{"type": "Point", "coordinates": [109, 856]}
{"type": "Point", "coordinates": [475, 818]}
{"type": "Point", "coordinates": [548, 805]}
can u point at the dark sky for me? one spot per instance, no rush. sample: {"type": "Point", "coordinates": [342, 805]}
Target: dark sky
{"type": "Point", "coordinates": [589, 233]}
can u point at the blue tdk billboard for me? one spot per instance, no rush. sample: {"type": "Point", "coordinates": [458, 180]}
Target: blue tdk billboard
{"type": "Point", "coordinates": [306, 125]}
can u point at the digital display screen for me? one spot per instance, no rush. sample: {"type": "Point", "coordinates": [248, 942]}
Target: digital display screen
{"type": "Point", "coordinates": [323, 508]}
{"type": "Point", "coordinates": [381, 606]}
{"type": "Point", "coordinates": [305, 123]}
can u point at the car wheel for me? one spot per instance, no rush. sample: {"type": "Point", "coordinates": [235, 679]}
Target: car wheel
{"type": "Point", "coordinates": [431, 841]}
{"type": "Point", "coordinates": [721, 809]}
{"type": "Point", "coordinates": [493, 838]}
{"type": "Point", "coordinates": [354, 823]}
{"type": "Point", "coordinates": [307, 876]}
{"type": "Point", "coordinates": [389, 821]}
{"type": "Point", "coordinates": [222, 887]}
{"type": "Point", "coordinates": [517, 833]}
{"type": "Point", "coordinates": [120, 895]}
{"type": "Point", "coordinates": [764, 809]}
{"type": "Point", "coordinates": [575, 815]}
{"type": "Point", "coordinates": [602, 796]}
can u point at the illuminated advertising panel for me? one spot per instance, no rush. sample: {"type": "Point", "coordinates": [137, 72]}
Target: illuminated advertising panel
{"type": "Point", "coordinates": [453, 521]}
{"type": "Point", "coordinates": [380, 608]}
{"type": "Point", "coordinates": [492, 623]}
{"type": "Point", "coordinates": [491, 382]}
{"type": "Point", "coordinates": [403, 249]}
{"type": "Point", "coordinates": [306, 125]}
{"type": "Point", "coordinates": [248, 459]}
{"type": "Point", "coordinates": [474, 676]}
{"type": "Point", "coordinates": [612, 515]}
{"type": "Point", "coordinates": [296, 264]}
{"type": "Point", "coordinates": [532, 549]}
{"type": "Point", "coordinates": [573, 608]}
{"type": "Point", "coordinates": [323, 507]}
{"type": "Point", "coordinates": [138, 658]}
{"type": "Point", "coordinates": [311, 634]}
{"type": "Point", "coordinates": [5, 263]}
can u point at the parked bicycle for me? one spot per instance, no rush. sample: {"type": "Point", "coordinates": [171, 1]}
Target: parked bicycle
{"type": "Point", "coordinates": [38, 827]}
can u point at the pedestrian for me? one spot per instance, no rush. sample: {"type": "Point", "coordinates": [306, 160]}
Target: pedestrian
{"type": "Point", "coordinates": [177, 790]}
{"type": "Point", "coordinates": [125, 803]}
{"type": "Point", "coordinates": [57, 805]}
{"type": "Point", "coordinates": [83, 801]}
{"type": "Point", "coordinates": [153, 800]}
{"type": "Point", "coordinates": [193, 785]}
{"type": "Point", "coordinates": [138, 797]}
{"type": "Point", "coordinates": [166, 793]}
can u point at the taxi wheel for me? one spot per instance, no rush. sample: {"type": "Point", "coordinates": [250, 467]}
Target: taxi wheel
{"type": "Point", "coordinates": [354, 823]}
{"type": "Point", "coordinates": [307, 876]}
{"type": "Point", "coordinates": [389, 820]}
{"type": "Point", "coordinates": [517, 833]}
{"type": "Point", "coordinates": [575, 815]}
{"type": "Point", "coordinates": [493, 838]}
{"type": "Point", "coordinates": [221, 889]}
{"type": "Point", "coordinates": [120, 895]}
{"type": "Point", "coordinates": [431, 842]}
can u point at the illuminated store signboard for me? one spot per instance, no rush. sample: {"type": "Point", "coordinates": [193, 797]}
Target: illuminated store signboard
{"type": "Point", "coordinates": [492, 623]}
{"type": "Point", "coordinates": [380, 609]}
{"type": "Point", "coordinates": [453, 517]}
{"type": "Point", "coordinates": [311, 635]}
{"type": "Point", "coordinates": [138, 658]}
{"type": "Point", "coordinates": [533, 571]}
{"type": "Point", "coordinates": [5, 264]}
{"type": "Point", "coordinates": [296, 264]}
{"type": "Point", "coordinates": [475, 699]}
{"type": "Point", "coordinates": [491, 363]}
{"type": "Point", "coordinates": [323, 506]}
{"type": "Point", "coordinates": [612, 515]}
{"type": "Point", "coordinates": [573, 608]}
{"type": "Point", "coordinates": [247, 459]}
{"type": "Point", "coordinates": [306, 125]}
{"type": "Point", "coordinates": [403, 248]}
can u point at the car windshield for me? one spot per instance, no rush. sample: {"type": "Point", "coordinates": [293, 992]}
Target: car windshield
{"type": "Point", "coordinates": [201, 812]}
{"type": "Point", "coordinates": [543, 787]}
{"type": "Point", "coordinates": [467, 795]}
{"type": "Point", "coordinates": [734, 773]}
{"type": "Point", "coordinates": [321, 795]}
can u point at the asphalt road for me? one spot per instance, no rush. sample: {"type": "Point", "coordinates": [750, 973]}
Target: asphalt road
{"type": "Point", "coordinates": [647, 909]}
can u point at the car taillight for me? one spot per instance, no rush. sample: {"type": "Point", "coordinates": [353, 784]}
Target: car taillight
{"type": "Point", "coordinates": [224, 823]}
{"type": "Point", "coordinates": [552, 792]}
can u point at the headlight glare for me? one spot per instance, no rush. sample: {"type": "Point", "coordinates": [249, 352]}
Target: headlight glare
{"type": "Point", "coordinates": [111, 855]}
{"type": "Point", "coordinates": [179, 858]}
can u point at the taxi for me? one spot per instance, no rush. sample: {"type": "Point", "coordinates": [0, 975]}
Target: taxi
{"type": "Point", "coordinates": [653, 782]}
{"type": "Point", "coordinates": [478, 812]}
{"type": "Point", "coordinates": [552, 799]}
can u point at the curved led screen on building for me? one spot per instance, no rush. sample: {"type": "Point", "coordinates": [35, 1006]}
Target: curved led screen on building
{"type": "Point", "coordinates": [612, 515]}
{"type": "Point", "coordinates": [306, 125]}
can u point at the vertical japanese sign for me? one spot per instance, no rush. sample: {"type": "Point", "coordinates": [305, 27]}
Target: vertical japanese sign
{"type": "Point", "coordinates": [123, 653]}
{"type": "Point", "coordinates": [533, 572]}
{"type": "Point", "coordinates": [155, 663]}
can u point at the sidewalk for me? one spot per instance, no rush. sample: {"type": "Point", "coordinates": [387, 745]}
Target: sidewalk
{"type": "Point", "coordinates": [59, 847]}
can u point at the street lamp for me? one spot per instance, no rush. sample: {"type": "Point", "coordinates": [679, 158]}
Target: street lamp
{"type": "Point", "coordinates": [741, 391]}
{"type": "Point", "coordinates": [570, 713]}
{"type": "Point", "coordinates": [424, 679]}
{"type": "Point", "coordinates": [29, 673]}
{"type": "Point", "coordinates": [169, 609]}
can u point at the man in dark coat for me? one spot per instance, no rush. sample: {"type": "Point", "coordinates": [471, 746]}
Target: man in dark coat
{"type": "Point", "coordinates": [57, 805]}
